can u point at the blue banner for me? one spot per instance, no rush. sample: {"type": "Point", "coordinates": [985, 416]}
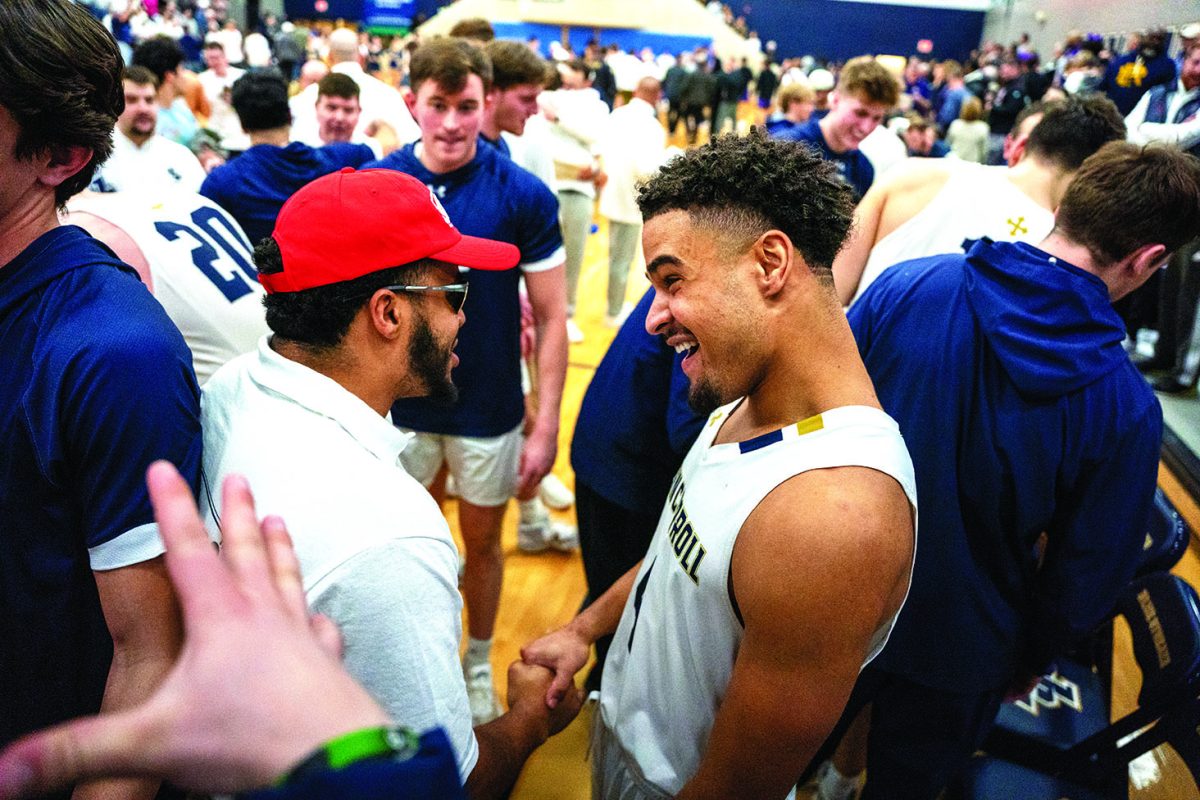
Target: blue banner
{"type": "Point", "coordinates": [388, 13]}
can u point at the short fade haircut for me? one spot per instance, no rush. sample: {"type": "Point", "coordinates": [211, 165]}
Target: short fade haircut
{"type": "Point", "coordinates": [335, 84]}
{"type": "Point", "coordinates": [1125, 196]}
{"type": "Point", "coordinates": [159, 54]}
{"type": "Point", "coordinates": [260, 98]}
{"type": "Point", "coordinates": [60, 79]}
{"type": "Point", "coordinates": [796, 93]}
{"type": "Point", "coordinates": [448, 63]}
{"type": "Point", "coordinates": [318, 318]}
{"type": "Point", "coordinates": [746, 186]}
{"type": "Point", "coordinates": [1073, 129]}
{"type": "Point", "coordinates": [214, 44]}
{"type": "Point", "coordinates": [476, 28]}
{"type": "Point", "coordinates": [869, 80]}
{"type": "Point", "coordinates": [139, 76]}
{"type": "Point", "coordinates": [514, 64]}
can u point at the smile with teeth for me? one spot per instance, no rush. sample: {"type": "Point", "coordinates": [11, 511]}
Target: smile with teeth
{"type": "Point", "coordinates": [687, 347]}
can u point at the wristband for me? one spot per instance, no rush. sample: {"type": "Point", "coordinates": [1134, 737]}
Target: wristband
{"type": "Point", "coordinates": [392, 742]}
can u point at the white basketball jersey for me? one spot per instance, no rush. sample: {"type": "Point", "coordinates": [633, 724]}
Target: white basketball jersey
{"type": "Point", "coordinates": [674, 650]}
{"type": "Point", "coordinates": [202, 267]}
{"type": "Point", "coordinates": [976, 201]}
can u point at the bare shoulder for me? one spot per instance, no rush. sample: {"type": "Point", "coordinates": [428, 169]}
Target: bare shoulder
{"type": "Point", "coordinates": [908, 188]}
{"type": "Point", "coordinates": [836, 543]}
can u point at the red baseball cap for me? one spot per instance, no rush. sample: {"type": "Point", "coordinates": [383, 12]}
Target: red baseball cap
{"type": "Point", "coordinates": [351, 223]}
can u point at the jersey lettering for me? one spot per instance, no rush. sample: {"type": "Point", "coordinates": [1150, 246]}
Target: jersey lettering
{"type": "Point", "coordinates": [637, 602]}
{"type": "Point", "coordinates": [211, 245]}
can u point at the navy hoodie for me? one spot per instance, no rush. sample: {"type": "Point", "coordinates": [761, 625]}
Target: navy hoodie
{"type": "Point", "coordinates": [1023, 415]}
{"type": "Point", "coordinates": [256, 184]}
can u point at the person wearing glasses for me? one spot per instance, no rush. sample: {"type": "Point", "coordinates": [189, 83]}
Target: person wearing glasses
{"type": "Point", "coordinates": [364, 298]}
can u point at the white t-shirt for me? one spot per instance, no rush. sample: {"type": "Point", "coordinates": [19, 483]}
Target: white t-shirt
{"type": "Point", "coordinates": [158, 166]}
{"type": "Point", "coordinates": [976, 201]}
{"type": "Point", "coordinates": [374, 548]}
{"type": "Point", "coordinates": [223, 119]}
{"type": "Point", "coordinates": [678, 638]}
{"type": "Point", "coordinates": [633, 147]}
{"type": "Point", "coordinates": [201, 269]}
{"type": "Point", "coordinates": [379, 101]}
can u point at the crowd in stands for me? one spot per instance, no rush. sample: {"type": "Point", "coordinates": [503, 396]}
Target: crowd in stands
{"type": "Point", "coordinates": [249, 254]}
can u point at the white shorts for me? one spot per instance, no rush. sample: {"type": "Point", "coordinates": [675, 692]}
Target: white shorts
{"type": "Point", "coordinates": [484, 468]}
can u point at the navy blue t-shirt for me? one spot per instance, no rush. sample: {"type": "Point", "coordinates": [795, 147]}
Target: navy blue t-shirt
{"type": "Point", "coordinates": [494, 198]}
{"type": "Point", "coordinates": [256, 184]}
{"type": "Point", "coordinates": [853, 166]}
{"type": "Point", "coordinates": [97, 383]}
{"type": "Point", "coordinates": [635, 425]}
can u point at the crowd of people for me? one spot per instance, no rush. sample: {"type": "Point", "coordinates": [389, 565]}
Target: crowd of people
{"type": "Point", "coordinates": [332, 280]}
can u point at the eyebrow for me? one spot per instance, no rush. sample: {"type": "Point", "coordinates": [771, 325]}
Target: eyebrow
{"type": "Point", "coordinates": [660, 261]}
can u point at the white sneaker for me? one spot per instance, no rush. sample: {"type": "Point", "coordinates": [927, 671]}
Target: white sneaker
{"type": "Point", "coordinates": [619, 319]}
{"type": "Point", "coordinates": [536, 532]}
{"type": "Point", "coordinates": [574, 334]}
{"type": "Point", "coordinates": [481, 694]}
{"type": "Point", "coordinates": [451, 486]}
{"type": "Point", "coordinates": [555, 494]}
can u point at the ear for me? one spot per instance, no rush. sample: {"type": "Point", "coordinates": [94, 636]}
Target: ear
{"type": "Point", "coordinates": [410, 100]}
{"type": "Point", "coordinates": [775, 256]}
{"type": "Point", "coordinates": [1014, 149]}
{"type": "Point", "coordinates": [64, 163]}
{"type": "Point", "coordinates": [388, 314]}
{"type": "Point", "coordinates": [1145, 261]}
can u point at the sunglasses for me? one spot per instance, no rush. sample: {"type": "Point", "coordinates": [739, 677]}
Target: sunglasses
{"type": "Point", "coordinates": [455, 293]}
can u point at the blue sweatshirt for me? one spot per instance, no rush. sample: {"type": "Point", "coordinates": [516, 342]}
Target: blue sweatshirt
{"type": "Point", "coordinates": [1023, 415]}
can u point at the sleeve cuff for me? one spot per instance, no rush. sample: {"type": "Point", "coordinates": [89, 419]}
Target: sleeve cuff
{"type": "Point", "coordinates": [555, 259]}
{"type": "Point", "coordinates": [131, 547]}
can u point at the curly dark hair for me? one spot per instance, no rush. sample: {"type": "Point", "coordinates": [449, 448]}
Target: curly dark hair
{"type": "Point", "coordinates": [318, 318]}
{"type": "Point", "coordinates": [60, 79]}
{"type": "Point", "coordinates": [260, 99]}
{"type": "Point", "coordinates": [745, 186]}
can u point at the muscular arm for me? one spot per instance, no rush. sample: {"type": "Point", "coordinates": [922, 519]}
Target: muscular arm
{"type": "Point", "coordinates": [807, 634]}
{"type": "Point", "coordinates": [143, 619]}
{"type": "Point", "coordinates": [547, 296]}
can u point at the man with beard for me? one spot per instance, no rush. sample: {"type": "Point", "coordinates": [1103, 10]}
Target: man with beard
{"type": "Point", "coordinates": [142, 158]}
{"type": "Point", "coordinates": [741, 634]}
{"type": "Point", "coordinates": [364, 298]}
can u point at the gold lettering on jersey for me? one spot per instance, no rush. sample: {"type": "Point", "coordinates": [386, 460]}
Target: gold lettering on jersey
{"type": "Point", "coordinates": [684, 541]}
{"type": "Point", "coordinates": [1156, 630]}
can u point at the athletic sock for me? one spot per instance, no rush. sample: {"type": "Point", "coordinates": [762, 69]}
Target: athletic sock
{"type": "Point", "coordinates": [478, 651]}
{"type": "Point", "coordinates": [836, 786]}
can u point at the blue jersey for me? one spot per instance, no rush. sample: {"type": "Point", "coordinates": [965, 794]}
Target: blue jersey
{"type": "Point", "coordinates": [852, 165]}
{"type": "Point", "coordinates": [635, 425]}
{"type": "Point", "coordinates": [256, 184]}
{"type": "Point", "coordinates": [97, 384]}
{"type": "Point", "coordinates": [494, 198]}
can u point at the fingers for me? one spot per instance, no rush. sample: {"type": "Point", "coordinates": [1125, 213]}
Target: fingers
{"type": "Point", "coordinates": [242, 543]}
{"type": "Point", "coordinates": [74, 751]}
{"type": "Point", "coordinates": [199, 578]}
{"type": "Point", "coordinates": [563, 681]}
{"type": "Point", "coordinates": [328, 636]}
{"type": "Point", "coordinates": [285, 567]}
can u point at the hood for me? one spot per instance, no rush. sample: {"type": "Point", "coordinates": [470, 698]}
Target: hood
{"type": "Point", "coordinates": [296, 165]}
{"type": "Point", "coordinates": [1024, 300]}
{"type": "Point", "coordinates": [51, 255]}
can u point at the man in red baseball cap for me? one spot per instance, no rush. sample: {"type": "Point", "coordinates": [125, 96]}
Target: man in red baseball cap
{"type": "Point", "coordinates": [364, 299]}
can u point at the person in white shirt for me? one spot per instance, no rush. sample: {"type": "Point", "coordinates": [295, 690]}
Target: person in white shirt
{"type": "Point", "coordinates": [365, 300]}
{"type": "Point", "coordinates": [141, 158]}
{"type": "Point", "coordinates": [576, 114]}
{"type": "Point", "coordinates": [379, 101]}
{"type": "Point", "coordinates": [632, 149]}
{"type": "Point", "coordinates": [338, 112]}
{"type": "Point", "coordinates": [929, 206]}
{"type": "Point", "coordinates": [217, 82]}
{"type": "Point", "coordinates": [231, 37]}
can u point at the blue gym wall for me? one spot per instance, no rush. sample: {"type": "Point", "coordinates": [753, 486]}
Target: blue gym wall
{"type": "Point", "coordinates": [834, 30]}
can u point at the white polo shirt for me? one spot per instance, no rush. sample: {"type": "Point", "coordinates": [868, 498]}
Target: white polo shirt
{"type": "Point", "coordinates": [374, 549]}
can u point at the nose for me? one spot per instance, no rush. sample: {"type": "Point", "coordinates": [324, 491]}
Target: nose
{"type": "Point", "coordinates": [659, 314]}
